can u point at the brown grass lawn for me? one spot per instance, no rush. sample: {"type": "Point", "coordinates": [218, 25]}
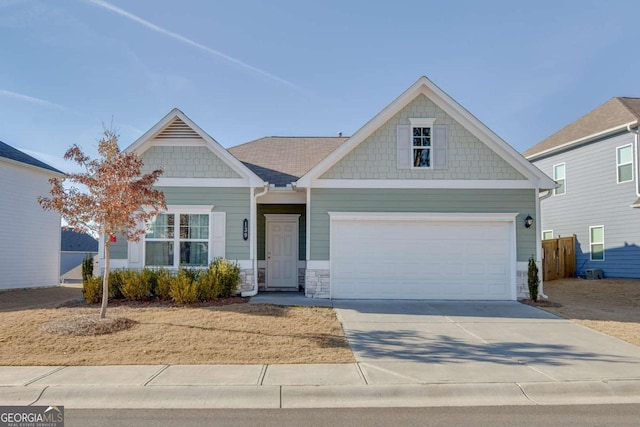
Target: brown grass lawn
{"type": "Point", "coordinates": [611, 306]}
{"type": "Point", "coordinates": [227, 334]}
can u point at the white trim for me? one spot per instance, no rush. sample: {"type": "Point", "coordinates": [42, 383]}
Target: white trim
{"type": "Point", "coordinates": [189, 208]}
{"type": "Point", "coordinates": [202, 182]}
{"type": "Point", "coordinates": [318, 265]}
{"type": "Point", "coordinates": [624, 164]}
{"type": "Point", "coordinates": [245, 264]}
{"type": "Point", "coordinates": [417, 122]}
{"type": "Point", "coordinates": [280, 197]}
{"type": "Point", "coordinates": [564, 178]}
{"type": "Point", "coordinates": [546, 231]}
{"type": "Point", "coordinates": [286, 218]}
{"type": "Point", "coordinates": [451, 107]}
{"type": "Point", "coordinates": [597, 243]}
{"type": "Point", "coordinates": [422, 216]}
{"type": "Point", "coordinates": [423, 183]}
{"type": "Point", "coordinates": [308, 225]}
{"type": "Point", "coordinates": [148, 140]}
{"type": "Point", "coordinates": [582, 140]}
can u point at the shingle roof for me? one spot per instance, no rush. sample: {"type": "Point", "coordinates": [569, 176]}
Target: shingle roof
{"type": "Point", "coordinates": [615, 112]}
{"type": "Point", "coordinates": [77, 242]}
{"type": "Point", "coordinates": [281, 160]}
{"type": "Point", "coordinates": [14, 154]}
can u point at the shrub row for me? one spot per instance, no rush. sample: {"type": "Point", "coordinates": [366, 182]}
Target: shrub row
{"type": "Point", "coordinates": [186, 286]}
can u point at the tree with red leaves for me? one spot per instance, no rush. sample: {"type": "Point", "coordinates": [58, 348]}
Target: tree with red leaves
{"type": "Point", "coordinates": [110, 197]}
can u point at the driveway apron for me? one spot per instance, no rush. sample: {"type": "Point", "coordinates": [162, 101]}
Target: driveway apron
{"type": "Point", "coordinates": [405, 341]}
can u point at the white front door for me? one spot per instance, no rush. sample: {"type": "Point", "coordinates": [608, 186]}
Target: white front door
{"type": "Point", "coordinates": [282, 251]}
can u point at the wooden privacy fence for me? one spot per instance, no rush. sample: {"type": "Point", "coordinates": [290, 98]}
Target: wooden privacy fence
{"type": "Point", "coordinates": [558, 258]}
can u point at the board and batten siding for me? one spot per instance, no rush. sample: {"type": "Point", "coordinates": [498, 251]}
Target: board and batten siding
{"type": "Point", "coordinates": [421, 200]}
{"type": "Point", "coordinates": [593, 197]}
{"type": "Point", "coordinates": [232, 200]}
{"type": "Point", "coordinates": [30, 246]}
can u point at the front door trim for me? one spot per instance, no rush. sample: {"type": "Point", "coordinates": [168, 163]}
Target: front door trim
{"type": "Point", "coordinates": [284, 218]}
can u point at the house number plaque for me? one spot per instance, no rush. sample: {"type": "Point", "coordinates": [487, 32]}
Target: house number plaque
{"type": "Point", "coordinates": [245, 229]}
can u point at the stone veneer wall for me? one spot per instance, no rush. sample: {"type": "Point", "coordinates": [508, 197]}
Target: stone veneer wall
{"type": "Point", "coordinates": [246, 280]}
{"type": "Point", "coordinates": [317, 283]}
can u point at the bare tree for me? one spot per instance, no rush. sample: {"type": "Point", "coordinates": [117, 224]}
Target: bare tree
{"type": "Point", "coordinates": [110, 197]}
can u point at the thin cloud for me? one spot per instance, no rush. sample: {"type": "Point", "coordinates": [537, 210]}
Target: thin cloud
{"type": "Point", "coordinates": [188, 41]}
{"type": "Point", "coordinates": [32, 100]}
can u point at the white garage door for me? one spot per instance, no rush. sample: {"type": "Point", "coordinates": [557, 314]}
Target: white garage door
{"type": "Point", "coordinates": [422, 256]}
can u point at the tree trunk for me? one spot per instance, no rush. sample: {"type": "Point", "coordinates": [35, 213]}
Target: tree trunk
{"type": "Point", "coordinates": [105, 280]}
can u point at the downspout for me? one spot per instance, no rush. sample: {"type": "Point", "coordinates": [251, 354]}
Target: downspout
{"type": "Point", "coordinates": [635, 149]}
{"type": "Point", "coordinates": [539, 237]}
{"type": "Point", "coordinates": [253, 237]}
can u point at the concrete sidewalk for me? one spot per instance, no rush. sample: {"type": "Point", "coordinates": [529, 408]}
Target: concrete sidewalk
{"type": "Point", "coordinates": [279, 386]}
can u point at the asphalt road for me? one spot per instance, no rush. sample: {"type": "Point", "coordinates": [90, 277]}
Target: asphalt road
{"type": "Point", "coordinates": [583, 416]}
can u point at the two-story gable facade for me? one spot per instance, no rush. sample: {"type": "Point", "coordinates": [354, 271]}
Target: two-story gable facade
{"type": "Point", "coordinates": [594, 161]}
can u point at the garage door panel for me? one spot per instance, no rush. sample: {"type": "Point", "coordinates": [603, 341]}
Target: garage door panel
{"type": "Point", "coordinates": [421, 259]}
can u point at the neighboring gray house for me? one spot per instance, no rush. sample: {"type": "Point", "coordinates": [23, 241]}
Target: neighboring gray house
{"type": "Point", "coordinates": [74, 247]}
{"type": "Point", "coordinates": [595, 162]}
{"type": "Point", "coordinates": [422, 202]}
{"type": "Point", "coordinates": [30, 243]}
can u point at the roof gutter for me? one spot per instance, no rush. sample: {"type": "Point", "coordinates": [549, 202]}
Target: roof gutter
{"type": "Point", "coordinates": [580, 141]}
{"type": "Point", "coordinates": [254, 255]}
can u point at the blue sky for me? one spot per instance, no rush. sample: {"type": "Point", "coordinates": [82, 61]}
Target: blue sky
{"type": "Point", "coordinates": [247, 69]}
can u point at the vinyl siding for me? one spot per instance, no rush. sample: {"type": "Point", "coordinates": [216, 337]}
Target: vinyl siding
{"type": "Point", "coordinates": [30, 246]}
{"type": "Point", "coordinates": [593, 197]}
{"type": "Point", "coordinates": [468, 157]}
{"type": "Point", "coordinates": [186, 162]}
{"type": "Point", "coordinates": [233, 201]}
{"type": "Point", "coordinates": [282, 209]}
{"type": "Point", "coordinates": [464, 201]}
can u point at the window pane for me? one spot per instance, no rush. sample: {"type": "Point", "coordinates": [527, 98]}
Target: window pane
{"type": "Point", "coordinates": [597, 235]}
{"type": "Point", "coordinates": [558, 172]}
{"type": "Point", "coordinates": [417, 132]}
{"type": "Point", "coordinates": [625, 155]}
{"type": "Point", "coordinates": [194, 226]}
{"type": "Point", "coordinates": [417, 142]}
{"type": "Point", "coordinates": [161, 227]}
{"type": "Point", "coordinates": [597, 252]}
{"type": "Point", "coordinates": [547, 235]}
{"type": "Point", "coordinates": [194, 253]}
{"type": "Point", "coordinates": [560, 188]}
{"type": "Point", "coordinates": [625, 173]}
{"type": "Point", "coordinates": [159, 253]}
{"type": "Point", "coordinates": [422, 158]}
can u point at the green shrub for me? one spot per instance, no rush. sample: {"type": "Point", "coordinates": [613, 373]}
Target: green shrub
{"type": "Point", "coordinates": [135, 285]}
{"type": "Point", "coordinates": [207, 285]}
{"type": "Point", "coordinates": [92, 290]}
{"type": "Point", "coordinates": [228, 277]}
{"type": "Point", "coordinates": [163, 284]}
{"type": "Point", "coordinates": [533, 280]}
{"type": "Point", "coordinates": [87, 267]}
{"type": "Point", "coordinates": [183, 289]}
{"type": "Point", "coordinates": [151, 277]}
{"type": "Point", "coordinates": [115, 284]}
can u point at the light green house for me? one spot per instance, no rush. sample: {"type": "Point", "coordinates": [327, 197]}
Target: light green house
{"type": "Point", "coordinates": [422, 202]}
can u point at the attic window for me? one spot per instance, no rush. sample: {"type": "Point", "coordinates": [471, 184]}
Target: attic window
{"type": "Point", "coordinates": [422, 142]}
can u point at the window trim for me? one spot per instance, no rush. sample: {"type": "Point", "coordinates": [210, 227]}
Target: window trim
{"type": "Point", "coordinates": [547, 231]}
{"type": "Point", "coordinates": [564, 178]}
{"type": "Point", "coordinates": [178, 210]}
{"type": "Point", "coordinates": [624, 164]}
{"type": "Point", "coordinates": [591, 243]}
{"type": "Point", "coordinates": [421, 122]}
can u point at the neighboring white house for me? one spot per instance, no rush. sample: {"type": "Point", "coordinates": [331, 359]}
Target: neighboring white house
{"type": "Point", "coordinates": [29, 235]}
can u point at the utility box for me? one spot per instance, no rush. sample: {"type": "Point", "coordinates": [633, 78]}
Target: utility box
{"type": "Point", "coordinates": [594, 273]}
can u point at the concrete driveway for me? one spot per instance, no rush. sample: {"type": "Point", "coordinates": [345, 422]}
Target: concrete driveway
{"type": "Point", "coordinates": [400, 342]}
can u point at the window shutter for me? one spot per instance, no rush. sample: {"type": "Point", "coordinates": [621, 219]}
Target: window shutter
{"type": "Point", "coordinates": [404, 146]}
{"type": "Point", "coordinates": [218, 234]}
{"type": "Point", "coordinates": [440, 160]}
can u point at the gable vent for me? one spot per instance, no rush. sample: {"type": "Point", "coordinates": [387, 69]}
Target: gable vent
{"type": "Point", "coordinates": [178, 130]}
